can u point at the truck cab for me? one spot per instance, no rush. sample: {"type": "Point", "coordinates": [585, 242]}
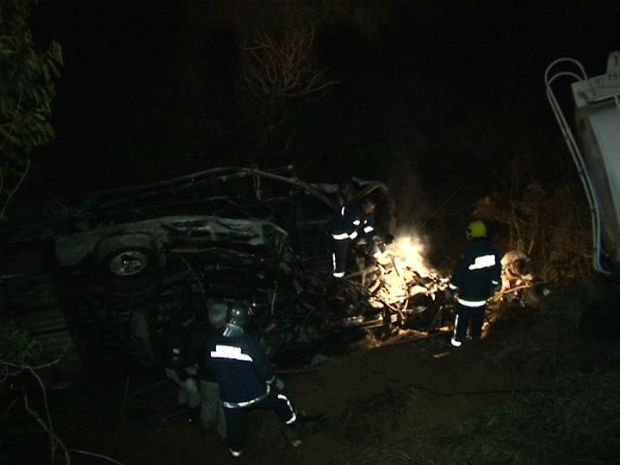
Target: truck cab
{"type": "Point", "coordinates": [593, 139]}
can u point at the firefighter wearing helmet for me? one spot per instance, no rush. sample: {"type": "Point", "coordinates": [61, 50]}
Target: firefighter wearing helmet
{"type": "Point", "coordinates": [246, 380]}
{"type": "Point", "coordinates": [476, 278]}
{"type": "Point", "coordinates": [179, 362]}
{"type": "Point", "coordinates": [354, 225]}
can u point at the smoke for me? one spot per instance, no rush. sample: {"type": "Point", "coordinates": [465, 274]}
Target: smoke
{"type": "Point", "coordinates": [411, 251]}
{"type": "Point", "coordinates": [411, 210]}
{"type": "Point", "coordinates": [411, 207]}
{"type": "Point", "coordinates": [405, 145]}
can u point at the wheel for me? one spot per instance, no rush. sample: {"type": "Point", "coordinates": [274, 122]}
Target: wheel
{"type": "Point", "coordinates": [128, 266]}
{"type": "Point", "coordinates": [130, 272]}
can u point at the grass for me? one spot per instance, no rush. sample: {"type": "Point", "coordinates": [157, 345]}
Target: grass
{"type": "Point", "coordinates": [566, 409]}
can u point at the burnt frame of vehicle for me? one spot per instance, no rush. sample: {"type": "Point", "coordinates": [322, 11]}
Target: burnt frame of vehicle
{"type": "Point", "coordinates": [130, 260]}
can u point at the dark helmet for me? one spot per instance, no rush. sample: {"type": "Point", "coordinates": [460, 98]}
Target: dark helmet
{"type": "Point", "coordinates": [369, 204]}
{"type": "Point", "coordinates": [238, 314]}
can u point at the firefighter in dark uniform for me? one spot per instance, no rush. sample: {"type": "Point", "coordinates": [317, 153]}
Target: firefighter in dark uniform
{"type": "Point", "coordinates": [179, 362]}
{"type": "Point", "coordinates": [355, 224]}
{"type": "Point", "coordinates": [211, 411]}
{"type": "Point", "coordinates": [476, 278]}
{"type": "Point", "coordinates": [247, 380]}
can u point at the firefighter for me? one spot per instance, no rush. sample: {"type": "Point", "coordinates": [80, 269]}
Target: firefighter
{"type": "Point", "coordinates": [348, 190]}
{"type": "Point", "coordinates": [179, 362]}
{"type": "Point", "coordinates": [247, 380]}
{"type": "Point", "coordinates": [355, 224]}
{"type": "Point", "coordinates": [476, 278]}
{"type": "Point", "coordinates": [211, 411]}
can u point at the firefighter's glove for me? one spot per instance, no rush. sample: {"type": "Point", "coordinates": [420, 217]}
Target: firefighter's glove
{"type": "Point", "coordinates": [388, 239]}
{"type": "Point", "coordinates": [378, 247]}
{"type": "Point", "coordinates": [277, 383]}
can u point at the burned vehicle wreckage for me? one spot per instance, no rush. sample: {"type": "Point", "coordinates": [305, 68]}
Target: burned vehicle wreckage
{"type": "Point", "coordinates": [130, 262]}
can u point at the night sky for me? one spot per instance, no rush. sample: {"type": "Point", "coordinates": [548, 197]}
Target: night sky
{"type": "Point", "coordinates": [435, 88]}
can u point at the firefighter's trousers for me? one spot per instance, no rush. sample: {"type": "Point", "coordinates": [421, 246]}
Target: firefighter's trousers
{"type": "Point", "coordinates": [340, 248]}
{"type": "Point", "coordinates": [468, 317]}
{"type": "Point", "coordinates": [237, 421]}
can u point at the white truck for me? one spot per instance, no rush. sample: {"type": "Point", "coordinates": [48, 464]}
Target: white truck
{"type": "Point", "coordinates": [593, 138]}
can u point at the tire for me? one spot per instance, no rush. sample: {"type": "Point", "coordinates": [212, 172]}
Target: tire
{"type": "Point", "coordinates": [130, 272]}
{"type": "Point", "coordinates": [127, 266]}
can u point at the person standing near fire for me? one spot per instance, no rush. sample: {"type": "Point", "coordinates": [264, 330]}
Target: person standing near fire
{"type": "Point", "coordinates": [355, 224]}
{"type": "Point", "coordinates": [477, 277]}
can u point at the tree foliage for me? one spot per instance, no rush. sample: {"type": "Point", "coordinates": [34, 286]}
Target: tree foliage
{"type": "Point", "coordinates": [550, 225]}
{"type": "Point", "coordinates": [27, 88]}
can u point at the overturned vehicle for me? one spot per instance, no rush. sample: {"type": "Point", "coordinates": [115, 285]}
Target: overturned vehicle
{"type": "Point", "coordinates": [129, 263]}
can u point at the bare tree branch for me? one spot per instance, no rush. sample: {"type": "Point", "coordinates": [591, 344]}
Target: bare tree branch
{"type": "Point", "coordinates": [46, 424]}
{"type": "Point", "coordinates": [94, 454]}
{"type": "Point", "coordinates": [47, 427]}
{"type": "Point", "coordinates": [11, 192]}
{"type": "Point", "coordinates": [278, 71]}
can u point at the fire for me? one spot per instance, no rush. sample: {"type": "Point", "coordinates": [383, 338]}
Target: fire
{"type": "Point", "coordinates": [407, 253]}
{"type": "Point", "coordinates": [410, 251]}
{"type": "Point", "coordinates": [401, 263]}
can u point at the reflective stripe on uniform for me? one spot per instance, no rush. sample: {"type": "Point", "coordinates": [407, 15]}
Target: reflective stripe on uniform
{"type": "Point", "coordinates": [288, 403]}
{"type": "Point", "coordinates": [483, 261]}
{"type": "Point", "coordinates": [471, 303]}
{"type": "Point", "coordinates": [247, 403]}
{"type": "Point", "coordinates": [230, 353]}
{"type": "Point", "coordinates": [340, 237]}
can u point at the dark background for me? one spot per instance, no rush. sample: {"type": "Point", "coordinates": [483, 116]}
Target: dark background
{"type": "Point", "coordinates": [431, 95]}
{"type": "Point", "coordinates": [440, 99]}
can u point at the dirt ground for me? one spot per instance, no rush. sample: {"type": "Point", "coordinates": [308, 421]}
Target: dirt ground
{"type": "Point", "coordinates": [401, 400]}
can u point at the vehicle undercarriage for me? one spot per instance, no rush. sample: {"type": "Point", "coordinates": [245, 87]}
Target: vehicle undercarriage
{"type": "Point", "coordinates": [129, 265]}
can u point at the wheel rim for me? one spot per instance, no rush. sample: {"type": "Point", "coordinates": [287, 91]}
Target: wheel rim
{"type": "Point", "coordinates": [129, 263]}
